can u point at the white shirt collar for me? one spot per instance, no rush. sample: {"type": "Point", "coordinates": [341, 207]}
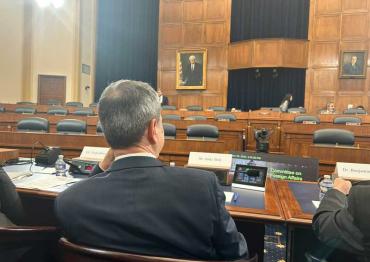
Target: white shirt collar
{"type": "Point", "coordinates": [134, 154]}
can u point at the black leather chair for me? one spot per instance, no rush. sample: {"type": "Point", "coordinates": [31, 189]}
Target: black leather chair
{"type": "Point", "coordinates": [71, 126]}
{"type": "Point", "coordinates": [196, 118]}
{"type": "Point", "coordinates": [169, 131]}
{"type": "Point", "coordinates": [347, 119]}
{"type": "Point", "coordinates": [2, 109]}
{"type": "Point", "coordinates": [83, 112]}
{"type": "Point", "coordinates": [299, 110]}
{"type": "Point", "coordinates": [58, 111]}
{"type": "Point", "coordinates": [202, 132]}
{"type": "Point", "coordinates": [99, 128]}
{"type": "Point", "coordinates": [303, 118]}
{"type": "Point", "coordinates": [217, 108]}
{"type": "Point", "coordinates": [71, 252]}
{"type": "Point", "coordinates": [33, 124]}
{"type": "Point", "coordinates": [354, 111]}
{"type": "Point", "coordinates": [54, 102]}
{"type": "Point", "coordinates": [171, 117]}
{"type": "Point", "coordinates": [194, 108]}
{"type": "Point", "coordinates": [25, 110]}
{"type": "Point", "coordinates": [168, 107]}
{"type": "Point", "coordinates": [225, 117]}
{"type": "Point", "coordinates": [333, 136]}
{"type": "Point", "coordinates": [75, 104]}
{"type": "Point", "coordinates": [23, 244]}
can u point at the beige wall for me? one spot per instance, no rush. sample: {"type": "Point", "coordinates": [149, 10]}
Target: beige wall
{"type": "Point", "coordinates": [87, 49]}
{"type": "Point", "coordinates": [11, 50]}
{"type": "Point", "coordinates": [54, 47]}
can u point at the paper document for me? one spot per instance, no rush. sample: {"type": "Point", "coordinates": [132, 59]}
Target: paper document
{"type": "Point", "coordinates": [229, 196]}
{"type": "Point", "coordinates": [316, 203]}
{"type": "Point", "coordinates": [18, 174]}
{"type": "Point", "coordinates": [46, 182]}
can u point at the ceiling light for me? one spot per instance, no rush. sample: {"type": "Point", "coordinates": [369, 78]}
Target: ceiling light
{"type": "Point", "coordinates": [57, 3]}
{"type": "Point", "coordinates": [43, 3]}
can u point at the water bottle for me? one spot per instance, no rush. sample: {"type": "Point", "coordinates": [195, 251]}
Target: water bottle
{"type": "Point", "coordinates": [325, 185]}
{"type": "Point", "coordinates": [60, 167]}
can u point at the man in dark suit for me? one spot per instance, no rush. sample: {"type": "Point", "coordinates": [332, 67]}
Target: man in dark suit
{"type": "Point", "coordinates": [139, 205]}
{"type": "Point", "coordinates": [352, 68]}
{"type": "Point", "coordinates": [192, 73]}
{"type": "Point", "coordinates": [343, 222]}
{"type": "Point", "coordinates": [163, 100]}
{"type": "Point", "coordinates": [11, 210]}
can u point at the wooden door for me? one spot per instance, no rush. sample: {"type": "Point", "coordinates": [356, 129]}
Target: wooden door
{"type": "Point", "coordinates": [51, 87]}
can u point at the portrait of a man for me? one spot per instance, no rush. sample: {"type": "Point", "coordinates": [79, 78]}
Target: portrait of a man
{"type": "Point", "coordinates": [353, 64]}
{"type": "Point", "coordinates": [191, 69]}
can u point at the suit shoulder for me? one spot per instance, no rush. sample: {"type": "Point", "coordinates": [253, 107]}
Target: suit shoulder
{"type": "Point", "coordinates": [191, 172]}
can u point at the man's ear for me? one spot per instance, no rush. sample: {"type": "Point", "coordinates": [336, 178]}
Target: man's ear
{"type": "Point", "coordinates": [152, 131]}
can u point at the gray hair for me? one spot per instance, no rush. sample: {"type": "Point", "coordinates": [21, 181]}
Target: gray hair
{"type": "Point", "coordinates": [125, 109]}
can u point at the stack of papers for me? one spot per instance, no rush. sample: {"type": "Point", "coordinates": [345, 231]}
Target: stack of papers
{"type": "Point", "coordinates": [229, 196]}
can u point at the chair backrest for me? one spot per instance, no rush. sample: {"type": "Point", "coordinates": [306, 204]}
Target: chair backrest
{"type": "Point", "coordinates": [354, 111]}
{"type": "Point", "coordinates": [202, 132]}
{"type": "Point", "coordinates": [83, 112]}
{"type": "Point", "coordinates": [169, 131]}
{"type": "Point", "coordinates": [54, 102]}
{"type": "Point", "coordinates": [39, 242]}
{"type": "Point", "coordinates": [196, 118]}
{"type": "Point", "coordinates": [333, 136]}
{"type": "Point", "coordinates": [75, 104]}
{"type": "Point", "coordinates": [347, 119]}
{"type": "Point", "coordinates": [300, 110]}
{"type": "Point", "coordinates": [33, 124]}
{"type": "Point", "coordinates": [25, 110]}
{"type": "Point", "coordinates": [171, 117]}
{"type": "Point", "coordinates": [25, 103]}
{"type": "Point", "coordinates": [217, 108]}
{"type": "Point", "coordinates": [303, 118]}
{"type": "Point", "coordinates": [168, 107]}
{"type": "Point", "coordinates": [71, 252]}
{"type": "Point", "coordinates": [99, 128]}
{"type": "Point", "coordinates": [58, 111]}
{"type": "Point", "coordinates": [71, 126]}
{"type": "Point", "coordinates": [223, 117]}
{"type": "Point", "coordinates": [194, 108]}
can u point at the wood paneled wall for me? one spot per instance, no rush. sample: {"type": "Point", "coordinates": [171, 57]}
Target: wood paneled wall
{"type": "Point", "coordinates": [191, 24]}
{"type": "Point", "coordinates": [336, 25]}
{"type": "Point", "coordinates": [268, 53]}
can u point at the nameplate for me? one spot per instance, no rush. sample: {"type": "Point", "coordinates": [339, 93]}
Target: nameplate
{"type": "Point", "coordinates": [309, 122]}
{"type": "Point", "coordinates": [352, 124]}
{"type": "Point", "coordinates": [210, 160]}
{"type": "Point", "coordinates": [93, 153]}
{"type": "Point", "coordinates": [353, 171]}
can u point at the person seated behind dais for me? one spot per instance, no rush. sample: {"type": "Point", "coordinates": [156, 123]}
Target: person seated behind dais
{"type": "Point", "coordinates": [342, 221]}
{"type": "Point", "coordinates": [330, 109]}
{"type": "Point", "coordinates": [139, 205]}
{"type": "Point", "coordinates": [284, 105]}
{"type": "Point", "coordinates": [163, 100]}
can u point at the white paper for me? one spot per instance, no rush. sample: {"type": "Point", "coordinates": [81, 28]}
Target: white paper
{"type": "Point", "coordinates": [18, 174]}
{"type": "Point", "coordinates": [229, 196]}
{"type": "Point", "coordinates": [316, 203]}
{"type": "Point", "coordinates": [45, 182]}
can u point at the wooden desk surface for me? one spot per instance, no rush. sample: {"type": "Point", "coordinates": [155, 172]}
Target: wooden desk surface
{"type": "Point", "coordinates": [291, 207]}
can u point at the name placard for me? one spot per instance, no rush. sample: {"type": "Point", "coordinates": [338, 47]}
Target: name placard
{"type": "Point", "coordinates": [210, 160]}
{"type": "Point", "coordinates": [353, 171]}
{"type": "Point", "coordinates": [93, 153]}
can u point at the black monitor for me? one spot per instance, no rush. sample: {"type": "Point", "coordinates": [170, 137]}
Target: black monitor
{"type": "Point", "coordinates": [279, 166]}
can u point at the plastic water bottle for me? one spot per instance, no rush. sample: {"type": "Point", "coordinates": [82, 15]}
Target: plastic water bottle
{"type": "Point", "coordinates": [60, 166]}
{"type": "Point", "coordinates": [325, 185]}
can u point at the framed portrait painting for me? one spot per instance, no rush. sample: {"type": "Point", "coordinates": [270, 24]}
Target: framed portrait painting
{"type": "Point", "coordinates": [191, 69]}
{"type": "Point", "coordinates": [353, 64]}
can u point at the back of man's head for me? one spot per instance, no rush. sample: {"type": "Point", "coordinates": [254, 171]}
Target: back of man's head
{"type": "Point", "coordinates": [125, 109]}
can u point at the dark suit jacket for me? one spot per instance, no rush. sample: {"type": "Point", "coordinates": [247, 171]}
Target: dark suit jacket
{"type": "Point", "coordinates": [343, 222]}
{"type": "Point", "coordinates": [11, 210]}
{"type": "Point", "coordinates": [164, 101]}
{"type": "Point", "coordinates": [142, 206]}
{"type": "Point", "coordinates": [193, 78]}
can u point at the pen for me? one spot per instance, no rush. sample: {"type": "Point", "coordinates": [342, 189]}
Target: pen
{"type": "Point", "coordinates": [236, 195]}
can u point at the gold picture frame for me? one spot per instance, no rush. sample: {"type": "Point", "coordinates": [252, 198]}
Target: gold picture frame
{"type": "Point", "coordinates": [191, 69]}
{"type": "Point", "coordinates": [353, 64]}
